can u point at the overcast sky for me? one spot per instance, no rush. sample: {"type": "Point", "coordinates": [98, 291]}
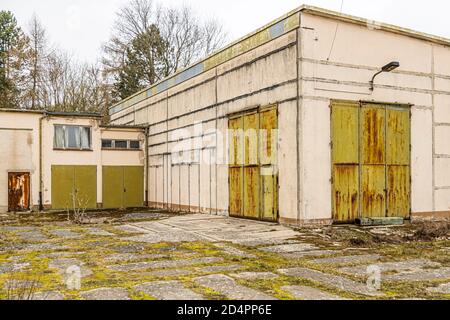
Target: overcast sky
{"type": "Point", "coordinates": [81, 26]}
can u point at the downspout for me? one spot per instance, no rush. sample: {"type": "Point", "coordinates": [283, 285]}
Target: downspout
{"type": "Point", "coordinates": [41, 182]}
{"type": "Point", "coordinates": [147, 131]}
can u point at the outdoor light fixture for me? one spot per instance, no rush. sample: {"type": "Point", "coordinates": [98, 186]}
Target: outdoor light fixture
{"type": "Point", "coordinates": [387, 68]}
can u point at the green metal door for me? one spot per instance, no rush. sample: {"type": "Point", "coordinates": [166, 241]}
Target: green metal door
{"type": "Point", "coordinates": [74, 184]}
{"type": "Point", "coordinates": [62, 187]}
{"type": "Point", "coordinates": [112, 187]}
{"type": "Point", "coordinates": [133, 181]}
{"type": "Point", "coordinates": [86, 186]}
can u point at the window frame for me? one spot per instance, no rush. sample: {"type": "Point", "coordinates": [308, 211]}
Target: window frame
{"type": "Point", "coordinates": [128, 147]}
{"type": "Point", "coordinates": [65, 147]}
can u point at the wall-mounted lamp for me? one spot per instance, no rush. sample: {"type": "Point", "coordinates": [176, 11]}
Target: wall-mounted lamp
{"type": "Point", "coordinates": [387, 68]}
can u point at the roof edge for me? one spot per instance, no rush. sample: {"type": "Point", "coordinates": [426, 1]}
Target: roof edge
{"type": "Point", "coordinates": [379, 25]}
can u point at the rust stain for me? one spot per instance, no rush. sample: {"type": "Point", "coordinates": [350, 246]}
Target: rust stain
{"type": "Point", "coordinates": [373, 136]}
{"type": "Point", "coordinates": [18, 192]}
{"type": "Point", "coordinates": [346, 199]}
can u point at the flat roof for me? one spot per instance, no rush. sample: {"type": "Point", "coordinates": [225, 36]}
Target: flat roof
{"type": "Point", "coordinates": [263, 35]}
{"type": "Point", "coordinates": [55, 114]}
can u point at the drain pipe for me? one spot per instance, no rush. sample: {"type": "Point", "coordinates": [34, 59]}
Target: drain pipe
{"type": "Point", "coordinates": [41, 182]}
{"type": "Point", "coordinates": [147, 131]}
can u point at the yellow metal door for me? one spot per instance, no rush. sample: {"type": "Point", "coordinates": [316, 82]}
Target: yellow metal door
{"type": "Point", "coordinates": [268, 136]}
{"type": "Point", "coordinates": [86, 186]}
{"type": "Point", "coordinates": [398, 162]}
{"type": "Point", "coordinates": [345, 158]}
{"type": "Point", "coordinates": [112, 187]}
{"type": "Point", "coordinates": [133, 182]}
{"type": "Point", "coordinates": [236, 171]}
{"type": "Point", "coordinates": [62, 187]}
{"type": "Point", "coordinates": [251, 166]}
{"type": "Point", "coordinates": [373, 161]}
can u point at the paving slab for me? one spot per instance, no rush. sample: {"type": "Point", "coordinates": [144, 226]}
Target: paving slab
{"type": "Point", "coordinates": [63, 264]}
{"type": "Point", "coordinates": [130, 257]}
{"type": "Point", "coordinates": [255, 275]}
{"type": "Point", "coordinates": [164, 264]}
{"type": "Point", "coordinates": [348, 259]}
{"type": "Point", "coordinates": [398, 266]}
{"type": "Point", "coordinates": [168, 290]}
{"type": "Point", "coordinates": [289, 248]}
{"type": "Point", "coordinates": [218, 269]}
{"type": "Point", "coordinates": [43, 247]}
{"type": "Point", "coordinates": [99, 232]}
{"type": "Point", "coordinates": [129, 248]}
{"type": "Point", "coordinates": [170, 236]}
{"type": "Point", "coordinates": [420, 275]}
{"type": "Point", "coordinates": [441, 289]}
{"type": "Point", "coordinates": [15, 284]}
{"type": "Point", "coordinates": [47, 296]}
{"type": "Point", "coordinates": [129, 229]}
{"type": "Point", "coordinates": [308, 293]}
{"type": "Point", "coordinates": [32, 236]}
{"type": "Point", "coordinates": [53, 255]}
{"type": "Point", "coordinates": [65, 234]}
{"type": "Point", "coordinates": [312, 253]}
{"type": "Point", "coordinates": [19, 229]}
{"type": "Point", "coordinates": [13, 267]}
{"type": "Point", "coordinates": [338, 282]}
{"type": "Point", "coordinates": [144, 216]}
{"type": "Point", "coordinates": [234, 251]}
{"type": "Point", "coordinates": [106, 294]}
{"type": "Point", "coordinates": [168, 273]}
{"type": "Point", "coordinates": [228, 287]}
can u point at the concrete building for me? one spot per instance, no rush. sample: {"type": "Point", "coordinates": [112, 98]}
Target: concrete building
{"type": "Point", "coordinates": [47, 158]}
{"type": "Point", "coordinates": [341, 150]}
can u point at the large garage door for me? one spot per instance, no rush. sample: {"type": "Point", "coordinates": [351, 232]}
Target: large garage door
{"type": "Point", "coordinates": [123, 187]}
{"type": "Point", "coordinates": [253, 182]}
{"type": "Point", "coordinates": [71, 183]}
{"type": "Point", "coordinates": [371, 161]}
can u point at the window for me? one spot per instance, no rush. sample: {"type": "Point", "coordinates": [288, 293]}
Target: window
{"type": "Point", "coordinates": [135, 144]}
{"type": "Point", "coordinates": [107, 144]}
{"type": "Point", "coordinates": [121, 144]}
{"type": "Point", "coordinates": [72, 137]}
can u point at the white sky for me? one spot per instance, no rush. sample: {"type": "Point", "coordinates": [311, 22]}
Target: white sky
{"type": "Point", "coordinates": [81, 26]}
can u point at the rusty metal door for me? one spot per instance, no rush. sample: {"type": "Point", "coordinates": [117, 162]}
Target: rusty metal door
{"type": "Point", "coordinates": [370, 160]}
{"type": "Point", "coordinates": [268, 160]}
{"type": "Point", "coordinates": [398, 162]}
{"type": "Point", "coordinates": [253, 178]}
{"type": "Point", "coordinates": [18, 191]}
{"type": "Point", "coordinates": [251, 166]}
{"type": "Point", "coordinates": [345, 161]}
{"type": "Point", "coordinates": [236, 170]}
{"type": "Point", "coordinates": [373, 161]}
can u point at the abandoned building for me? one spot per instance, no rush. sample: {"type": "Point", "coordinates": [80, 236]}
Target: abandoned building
{"type": "Point", "coordinates": [316, 118]}
{"type": "Point", "coordinates": [49, 160]}
{"type": "Point", "coordinates": [351, 142]}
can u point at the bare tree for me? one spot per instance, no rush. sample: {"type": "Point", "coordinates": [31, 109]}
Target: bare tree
{"type": "Point", "coordinates": [185, 39]}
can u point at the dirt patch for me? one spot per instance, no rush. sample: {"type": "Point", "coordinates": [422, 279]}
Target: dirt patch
{"type": "Point", "coordinates": [431, 231]}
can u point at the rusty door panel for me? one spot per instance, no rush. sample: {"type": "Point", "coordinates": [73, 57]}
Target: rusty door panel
{"type": "Point", "coordinates": [236, 139]}
{"type": "Point", "coordinates": [236, 192]}
{"type": "Point", "coordinates": [268, 136]}
{"type": "Point", "coordinates": [345, 133]}
{"type": "Point", "coordinates": [373, 190]}
{"type": "Point", "coordinates": [345, 157]}
{"type": "Point", "coordinates": [251, 132]}
{"type": "Point", "coordinates": [398, 163]}
{"type": "Point", "coordinates": [398, 140]}
{"type": "Point", "coordinates": [345, 192]}
{"type": "Point", "coordinates": [399, 193]}
{"type": "Point", "coordinates": [373, 135]}
{"type": "Point", "coordinates": [251, 192]}
{"type": "Point", "coordinates": [18, 191]}
{"type": "Point", "coordinates": [269, 197]}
